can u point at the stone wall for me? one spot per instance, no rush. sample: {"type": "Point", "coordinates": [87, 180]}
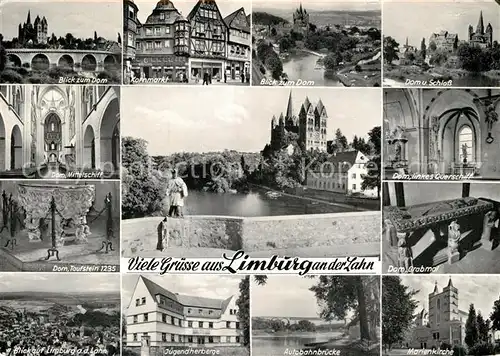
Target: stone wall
{"type": "Point", "coordinates": [140, 236]}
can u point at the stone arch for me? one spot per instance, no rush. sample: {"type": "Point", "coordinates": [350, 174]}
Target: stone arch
{"type": "Point", "coordinates": [66, 62]}
{"type": "Point", "coordinates": [89, 63]}
{"type": "Point", "coordinates": [45, 89]}
{"type": "Point", "coordinates": [40, 62]}
{"type": "Point", "coordinates": [15, 60]}
{"type": "Point", "coordinates": [2, 144]}
{"type": "Point", "coordinates": [89, 148]}
{"type": "Point", "coordinates": [16, 148]}
{"type": "Point", "coordinates": [109, 141]}
{"type": "Point", "coordinates": [110, 63]}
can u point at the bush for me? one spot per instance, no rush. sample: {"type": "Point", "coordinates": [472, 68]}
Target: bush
{"type": "Point", "coordinates": [26, 65]}
{"type": "Point", "coordinates": [58, 72]}
{"type": "Point", "coordinates": [484, 348]}
{"type": "Point", "coordinates": [10, 76]}
{"type": "Point", "coordinates": [459, 351]}
{"type": "Point", "coordinates": [358, 68]}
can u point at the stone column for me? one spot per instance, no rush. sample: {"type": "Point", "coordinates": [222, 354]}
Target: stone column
{"type": "Point", "coordinates": [490, 218]}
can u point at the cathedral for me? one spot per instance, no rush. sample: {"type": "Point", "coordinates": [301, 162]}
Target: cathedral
{"type": "Point", "coordinates": [481, 37]}
{"type": "Point", "coordinates": [301, 18]}
{"type": "Point", "coordinates": [36, 32]}
{"type": "Point", "coordinates": [310, 126]}
{"type": "Point", "coordinates": [59, 129]}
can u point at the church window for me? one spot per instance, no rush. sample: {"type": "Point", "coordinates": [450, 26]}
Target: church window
{"type": "Point", "coordinates": [465, 138]}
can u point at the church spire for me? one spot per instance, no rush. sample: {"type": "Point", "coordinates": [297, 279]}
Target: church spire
{"type": "Point", "coordinates": [28, 20]}
{"type": "Point", "coordinates": [480, 24]}
{"type": "Point", "coordinates": [289, 109]}
{"type": "Point", "coordinates": [436, 290]}
{"type": "Point", "coordinates": [450, 283]}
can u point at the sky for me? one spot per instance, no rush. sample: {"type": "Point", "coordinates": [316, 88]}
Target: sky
{"type": "Point", "coordinates": [235, 118]}
{"type": "Point", "coordinates": [60, 282]}
{"type": "Point", "coordinates": [317, 5]}
{"type": "Point", "coordinates": [81, 18]}
{"type": "Point", "coordinates": [452, 16]}
{"type": "Point", "coordinates": [284, 296]}
{"type": "Point", "coordinates": [482, 291]}
{"type": "Point", "coordinates": [226, 7]}
{"type": "Point", "coordinates": [208, 286]}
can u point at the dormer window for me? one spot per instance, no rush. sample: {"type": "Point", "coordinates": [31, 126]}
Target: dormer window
{"type": "Point", "coordinates": [162, 16]}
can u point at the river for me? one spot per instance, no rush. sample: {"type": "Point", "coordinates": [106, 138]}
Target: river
{"type": "Point", "coordinates": [302, 66]}
{"type": "Point", "coordinates": [255, 203]}
{"type": "Point", "coordinates": [275, 345]}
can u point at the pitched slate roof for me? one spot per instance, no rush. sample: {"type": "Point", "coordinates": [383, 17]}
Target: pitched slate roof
{"type": "Point", "coordinates": [230, 18]}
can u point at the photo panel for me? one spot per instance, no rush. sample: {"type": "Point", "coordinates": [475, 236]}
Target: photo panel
{"type": "Point", "coordinates": [327, 315]}
{"type": "Point", "coordinates": [456, 45]}
{"type": "Point", "coordinates": [440, 228]}
{"type": "Point", "coordinates": [317, 43]}
{"type": "Point", "coordinates": [440, 314]}
{"type": "Point", "coordinates": [295, 176]}
{"type": "Point", "coordinates": [61, 42]}
{"type": "Point", "coordinates": [187, 42]}
{"type": "Point", "coordinates": [441, 134]}
{"type": "Point", "coordinates": [59, 313]}
{"type": "Point", "coordinates": [59, 131]}
{"type": "Point", "coordinates": [181, 314]}
{"type": "Point", "coordinates": [64, 226]}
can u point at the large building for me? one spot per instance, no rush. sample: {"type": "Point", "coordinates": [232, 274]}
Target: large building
{"type": "Point", "coordinates": [182, 49]}
{"type": "Point", "coordinates": [164, 318]}
{"type": "Point", "coordinates": [444, 41]}
{"type": "Point", "coordinates": [443, 323]}
{"type": "Point", "coordinates": [238, 46]}
{"type": "Point", "coordinates": [310, 125]}
{"type": "Point", "coordinates": [74, 128]}
{"type": "Point", "coordinates": [342, 173]}
{"type": "Point", "coordinates": [301, 18]}
{"type": "Point", "coordinates": [33, 33]}
{"type": "Point", "coordinates": [481, 37]}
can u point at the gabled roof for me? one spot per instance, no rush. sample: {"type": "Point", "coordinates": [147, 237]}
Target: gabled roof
{"type": "Point", "coordinates": [196, 7]}
{"type": "Point", "coordinates": [343, 161]}
{"type": "Point", "coordinates": [229, 20]}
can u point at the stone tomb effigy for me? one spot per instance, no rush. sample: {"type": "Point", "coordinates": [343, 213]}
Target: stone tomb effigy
{"type": "Point", "coordinates": [430, 234]}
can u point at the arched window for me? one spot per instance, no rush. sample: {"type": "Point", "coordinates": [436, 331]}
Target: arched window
{"type": "Point", "coordinates": [465, 143]}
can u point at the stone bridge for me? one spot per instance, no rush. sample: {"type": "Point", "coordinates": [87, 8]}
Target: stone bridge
{"type": "Point", "coordinates": [77, 60]}
{"type": "Point", "coordinates": [315, 235]}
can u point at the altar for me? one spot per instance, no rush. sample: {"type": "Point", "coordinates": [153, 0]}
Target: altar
{"type": "Point", "coordinates": [65, 206]}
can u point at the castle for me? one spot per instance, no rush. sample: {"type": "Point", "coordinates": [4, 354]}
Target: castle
{"type": "Point", "coordinates": [444, 323]}
{"type": "Point", "coordinates": [482, 37]}
{"type": "Point", "coordinates": [301, 18]}
{"type": "Point", "coordinates": [36, 32]}
{"type": "Point", "coordinates": [310, 126]}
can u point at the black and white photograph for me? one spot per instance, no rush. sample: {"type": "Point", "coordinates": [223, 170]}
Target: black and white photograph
{"type": "Point", "coordinates": [334, 43]}
{"type": "Point", "coordinates": [180, 42]}
{"type": "Point", "coordinates": [447, 134]}
{"type": "Point", "coordinates": [441, 315]}
{"type": "Point", "coordinates": [441, 228]}
{"type": "Point", "coordinates": [64, 226]}
{"type": "Point", "coordinates": [53, 314]}
{"type": "Point", "coordinates": [181, 314]}
{"type": "Point", "coordinates": [232, 170]}
{"type": "Point", "coordinates": [59, 131]}
{"type": "Point", "coordinates": [441, 43]}
{"type": "Point", "coordinates": [60, 42]}
{"type": "Point", "coordinates": [336, 315]}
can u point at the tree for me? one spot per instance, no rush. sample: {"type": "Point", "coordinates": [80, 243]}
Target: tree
{"type": "Point", "coordinates": [390, 49]}
{"type": "Point", "coordinates": [371, 180]}
{"type": "Point", "coordinates": [273, 32]}
{"type": "Point", "coordinates": [285, 44]}
{"type": "Point", "coordinates": [471, 331]}
{"type": "Point", "coordinates": [331, 61]}
{"type": "Point", "coordinates": [495, 315]}
{"type": "Point", "coordinates": [341, 140]}
{"type": "Point", "coordinates": [243, 304]}
{"type": "Point", "coordinates": [95, 36]}
{"type": "Point", "coordinates": [471, 57]}
{"type": "Point", "coordinates": [423, 49]}
{"type": "Point", "coordinates": [482, 328]}
{"type": "Point", "coordinates": [3, 55]}
{"type": "Point", "coordinates": [398, 309]}
{"type": "Point", "coordinates": [375, 135]}
{"type": "Point", "coordinates": [432, 46]}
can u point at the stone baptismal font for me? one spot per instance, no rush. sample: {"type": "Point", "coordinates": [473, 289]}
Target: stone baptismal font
{"type": "Point", "coordinates": [51, 211]}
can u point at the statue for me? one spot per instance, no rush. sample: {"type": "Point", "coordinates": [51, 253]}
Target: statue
{"type": "Point", "coordinates": [405, 256]}
{"type": "Point", "coordinates": [82, 230]}
{"type": "Point", "coordinates": [491, 116]}
{"type": "Point", "coordinates": [464, 153]}
{"type": "Point", "coordinates": [397, 153]}
{"type": "Point", "coordinates": [453, 240]}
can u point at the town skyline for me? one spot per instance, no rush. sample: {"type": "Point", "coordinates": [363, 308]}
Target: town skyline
{"type": "Point", "coordinates": [63, 18]}
{"type": "Point", "coordinates": [176, 125]}
{"type": "Point", "coordinates": [454, 17]}
{"type": "Point", "coordinates": [320, 5]}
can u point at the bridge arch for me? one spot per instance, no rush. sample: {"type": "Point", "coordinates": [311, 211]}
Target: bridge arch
{"type": "Point", "coordinates": [40, 62]}
{"type": "Point", "coordinates": [15, 60]}
{"type": "Point", "coordinates": [110, 63]}
{"type": "Point", "coordinates": [66, 62]}
{"type": "Point", "coordinates": [89, 63]}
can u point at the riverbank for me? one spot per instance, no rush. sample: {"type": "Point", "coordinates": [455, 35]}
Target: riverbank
{"type": "Point", "coordinates": [364, 73]}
